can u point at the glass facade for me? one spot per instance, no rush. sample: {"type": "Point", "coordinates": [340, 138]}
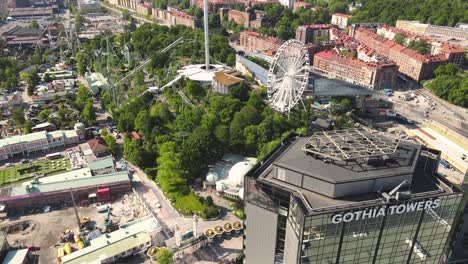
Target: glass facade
{"type": "Point", "coordinates": [409, 237]}
{"type": "Point", "coordinates": [272, 199]}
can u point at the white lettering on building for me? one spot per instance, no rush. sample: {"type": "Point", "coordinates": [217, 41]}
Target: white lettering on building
{"type": "Point", "coordinates": [382, 211]}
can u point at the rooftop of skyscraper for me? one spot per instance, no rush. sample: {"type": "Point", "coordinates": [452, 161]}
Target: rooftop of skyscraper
{"type": "Point", "coordinates": [323, 183]}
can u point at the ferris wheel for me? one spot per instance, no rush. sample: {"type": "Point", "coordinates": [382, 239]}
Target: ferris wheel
{"type": "Point", "coordinates": [288, 76]}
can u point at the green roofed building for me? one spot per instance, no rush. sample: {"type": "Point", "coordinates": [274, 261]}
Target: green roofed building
{"type": "Point", "coordinates": [131, 238]}
{"type": "Point", "coordinates": [57, 188]}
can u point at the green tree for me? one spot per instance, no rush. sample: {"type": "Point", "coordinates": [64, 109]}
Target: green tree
{"type": "Point", "coordinates": [78, 22]}
{"type": "Point", "coordinates": [170, 172]}
{"type": "Point", "coordinates": [83, 95]}
{"type": "Point", "coordinates": [400, 38]}
{"type": "Point", "coordinates": [44, 114]}
{"type": "Point", "coordinates": [34, 25]}
{"type": "Point", "coordinates": [195, 89]}
{"type": "Point", "coordinates": [144, 123]}
{"type": "Point", "coordinates": [420, 46]}
{"type": "Point", "coordinates": [164, 256]}
{"type": "Point", "coordinates": [37, 56]}
{"type": "Point", "coordinates": [248, 115]}
{"type": "Point", "coordinates": [196, 151]}
{"type": "Point", "coordinates": [450, 69]}
{"type": "Point", "coordinates": [27, 127]}
{"type": "Point", "coordinates": [18, 116]}
{"type": "Point", "coordinates": [112, 144]}
{"type": "Point", "coordinates": [240, 91]}
{"type": "Point", "coordinates": [346, 104]}
{"type": "Point", "coordinates": [126, 15]}
{"type": "Point", "coordinates": [89, 113]}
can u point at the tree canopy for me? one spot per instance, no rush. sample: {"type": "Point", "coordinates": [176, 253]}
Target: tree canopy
{"type": "Point", "coordinates": [436, 12]}
{"type": "Point", "coordinates": [450, 84]}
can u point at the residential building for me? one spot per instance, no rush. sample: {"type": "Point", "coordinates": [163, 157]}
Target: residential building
{"type": "Point", "coordinates": [249, 18]}
{"type": "Point", "coordinates": [56, 189]}
{"type": "Point", "coordinates": [102, 166]}
{"type": "Point", "coordinates": [25, 37]}
{"type": "Point", "coordinates": [37, 141]}
{"type": "Point", "coordinates": [132, 238]}
{"type": "Point", "coordinates": [453, 53]}
{"type": "Point", "coordinates": [144, 8]}
{"type": "Point", "coordinates": [428, 29]}
{"type": "Point", "coordinates": [89, 6]}
{"type": "Point", "coordinates": [181, 18]}
{"type": "Point", "coordinates": [303, 5]}
{"type": "Point", "coordinates": [318, 47]}
{"type": "Point", "coordinates": [16, 100]}
{"type": "Point", "coordinates": [95, 148]}
{"type": "Point", "coordinates": [287, 3]}
{"type": "Point", "coordinates": [223, 81]}
{"type": "Point", "coordinates": [96, 82]}
{"type": "Point", "coordinates": [368, 74]}
{"type": "Point", "coordinates": [348, 203]}
{"type": "Point", "coordinates": [215, 5]}
{"type": "Point", "coordinates": [313, 33]}
{"type": "Point", "coordinates": [32, 12]}
{"type": "Point", "coordinates": [411, 63]}
{"type": "Point", "coordinates": [241, 17]}
{"type": "Point", "coordinates": [254, 41]}
{"type": "Point", "coordinates": [341, 20]}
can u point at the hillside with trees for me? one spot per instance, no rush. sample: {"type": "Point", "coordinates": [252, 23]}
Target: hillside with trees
{"type": "Point", "coordinates": [436, 12]}
{"type": "Point", "coordinates": [450, 84]}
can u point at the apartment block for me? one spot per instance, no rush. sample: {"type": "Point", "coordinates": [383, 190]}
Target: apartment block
{"type": "Point", "coordinates": [313, 33]}
{"type": "Point", "coordinates": [341, 20]}
{"type": "Point", "coordinates": [368, 74]}
{"type": "Point", "coordinates": [411, 63]}
{"type": "Point", "coordinates": [254, 41]}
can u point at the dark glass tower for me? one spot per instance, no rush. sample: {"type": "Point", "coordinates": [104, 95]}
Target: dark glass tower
{"type": "Point", "coordinates": [354, 196]}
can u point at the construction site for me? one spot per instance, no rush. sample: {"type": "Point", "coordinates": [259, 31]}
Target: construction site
{"type": "Point", "coordinates": [58, 232]}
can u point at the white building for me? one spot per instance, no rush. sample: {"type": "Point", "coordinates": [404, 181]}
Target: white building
{"type": "Point", "coordinates": [341, 20]}
{"type": "Point", "coordinates": [38, 141]}
{"type": "Point", "coordinates": [89, 6]}
{"type": "Point", "coordinates": [228, 175]}
{"type": "Point", "coordinates": [288, 3]}
{"type": "Point", "coordinates": [96, 82]}
{"type": "Point", "coordinates": [223, 81]}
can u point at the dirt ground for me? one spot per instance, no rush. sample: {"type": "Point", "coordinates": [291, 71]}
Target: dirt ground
{"type": "Point", "coordinates": [44, 229]}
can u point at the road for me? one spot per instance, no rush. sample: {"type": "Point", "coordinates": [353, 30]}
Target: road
{"type": "Point", "coordinates": [252, 53]}
{"type": "Point", "coordinates": [168, 216]}
{"type": "Point", "coordinates": [444, 113]}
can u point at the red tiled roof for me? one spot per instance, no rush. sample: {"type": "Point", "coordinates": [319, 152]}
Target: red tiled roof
{"type": "Point", "coordinates": [96, 146]}
{"type": "Point", "coordinates": [135, 135]}
{"type": "Point", "coordinates": [326, 54]}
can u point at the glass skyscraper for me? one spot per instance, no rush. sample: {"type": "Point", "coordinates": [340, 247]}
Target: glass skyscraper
{"type": "Point", "coordinates": [329, 199]}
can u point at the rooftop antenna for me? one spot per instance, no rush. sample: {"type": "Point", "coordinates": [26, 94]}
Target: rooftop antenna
{"type": "Point", "coordinates": [207, 40]}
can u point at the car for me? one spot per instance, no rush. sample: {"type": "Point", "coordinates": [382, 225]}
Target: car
{"type": "Point", "coordinates": [24, 161]}
{"type": "Point", "coordinates": [445, 164]}
{"type": "Point", "coordinates": [8, 164]}
{"type": "Point", "coordinates": [158, 205]}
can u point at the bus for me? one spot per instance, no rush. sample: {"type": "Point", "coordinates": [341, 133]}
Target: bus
{"type": "Point", "coordinates": [53, 156]}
